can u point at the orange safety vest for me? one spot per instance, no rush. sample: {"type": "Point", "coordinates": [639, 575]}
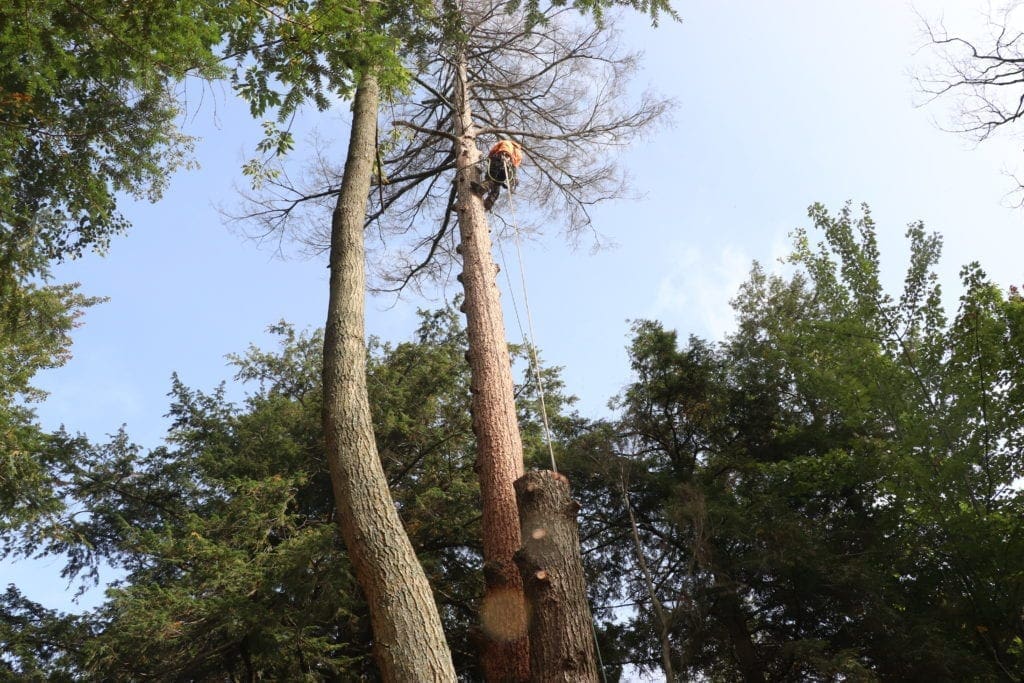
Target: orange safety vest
{"type": "Point", "coordinates": [513, 149]}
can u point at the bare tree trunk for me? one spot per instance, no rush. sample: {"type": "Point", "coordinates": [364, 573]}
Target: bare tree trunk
{"type": "Point", "coordinates": [561, 627]}
{"type": "Point", "coordinates": [409, 642]}
{"type": "Point", "coordinates": [495, 424]}
{"type": "Point", "coordinates": [659, 611]}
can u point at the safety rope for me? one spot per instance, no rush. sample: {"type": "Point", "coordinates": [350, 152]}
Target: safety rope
{"type": "Point", "coordinates": [532, 341]}
{"type": "Point", "coordinates": [535, 362]}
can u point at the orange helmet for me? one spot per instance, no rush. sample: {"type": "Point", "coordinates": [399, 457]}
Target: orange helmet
{"type": "Point", "coordinates": [513, 149]}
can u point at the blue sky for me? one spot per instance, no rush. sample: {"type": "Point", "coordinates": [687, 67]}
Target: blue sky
{"type": "Point", "coordinates": [780, 104]}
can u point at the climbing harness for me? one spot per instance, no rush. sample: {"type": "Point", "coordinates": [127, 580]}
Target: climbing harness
{"type": "Point", "coordinates": [499, 171]}
{"type": "Point", "coordinates": [503, 172]}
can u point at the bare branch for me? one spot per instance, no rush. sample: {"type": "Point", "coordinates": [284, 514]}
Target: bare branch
{"type": "Point", "coordinates": [423, 129]}
{"type": "Point", "coordinates": [558, 87]}
{"type": "Point", "coordinates": [982, 77]}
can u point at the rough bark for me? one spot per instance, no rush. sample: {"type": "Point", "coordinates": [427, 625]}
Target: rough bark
{"type": "Point", "coordinates": [495, 424]}
{"type": "Point", "coordinates": [560, 624]}
{"type": "Point", "coordinates": [409, 642]}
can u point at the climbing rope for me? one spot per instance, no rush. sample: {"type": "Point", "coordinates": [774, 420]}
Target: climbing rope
{"type": "Point", "coordinates": [535, 362]}
{"type": "Point", "coordinates": [531, 341]}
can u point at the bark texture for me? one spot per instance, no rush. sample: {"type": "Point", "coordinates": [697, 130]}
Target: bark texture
{"type": "Point", "coordinates": [561, 632]}
{"type": "Point", "coordinates": [409, 643]}
{"type": "Point", "coordinates": [495, 423]}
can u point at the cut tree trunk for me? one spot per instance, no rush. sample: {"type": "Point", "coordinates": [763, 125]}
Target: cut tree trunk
{"type": "Point", "coordinates": [409, 643]}
{"type": "Point", "coordinates": [499, 458]}
{"type": "Point", "coordinates": [560, 625]}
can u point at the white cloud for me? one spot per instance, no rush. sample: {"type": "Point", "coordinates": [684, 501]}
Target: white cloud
{"type": "Point", "coordinates": [694, 293]}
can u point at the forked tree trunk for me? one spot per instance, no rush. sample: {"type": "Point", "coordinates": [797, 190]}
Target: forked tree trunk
{"type": "Point", "coordinates": [499, 459]}
{"type": "Point", "coordinates": [409, 643]}
{"type": "Point", "coordinates": [561, 631]}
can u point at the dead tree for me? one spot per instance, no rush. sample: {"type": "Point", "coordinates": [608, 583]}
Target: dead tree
{"type": "Point", "coordinates": [558, 90]}
{"type": "Point", "coordinates": [499, 461]}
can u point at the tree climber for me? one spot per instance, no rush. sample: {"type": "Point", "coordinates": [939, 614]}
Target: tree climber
{"type": "Point", "coordinates": [502, 162]}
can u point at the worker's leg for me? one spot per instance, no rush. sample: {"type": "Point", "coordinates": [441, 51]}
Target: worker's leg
{"type": "Point", "coordinates": [492, 196]}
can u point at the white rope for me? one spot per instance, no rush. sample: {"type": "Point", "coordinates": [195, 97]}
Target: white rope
{"type": "Point", "coordinates": [531, 342]}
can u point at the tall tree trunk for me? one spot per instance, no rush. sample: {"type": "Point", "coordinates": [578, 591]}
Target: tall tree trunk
{"type": "Point", "coordinates": [499, 446]}
{"type": "Point", "coordinates": [561, 627]}
{"type": "Point", "coordinates": [409, 642]}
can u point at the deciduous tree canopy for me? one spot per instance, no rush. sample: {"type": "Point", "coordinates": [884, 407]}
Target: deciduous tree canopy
{"type": "Point", "coordinates": [834, 489]}
{"type": "Point", "coordinates": [87, 111]}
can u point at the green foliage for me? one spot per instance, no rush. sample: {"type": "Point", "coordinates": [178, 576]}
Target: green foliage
{"type": "Point", "coordinates": [292, 53]}
{"type": "Point", "coordinates": [227, 535]}
{"type": "Point", "coordinates": [234, 565]}
{"type": "Point", "coordinates": [85, 111]}
{"type": "Point", "coordinates": [36, 320]}
{"type": "Point", "coordinates": [829, 492]}
{"type": "Point", "coordinates": [295, 51]}
{"type": "Point", "coordinates": [36, 641]}
{"type": "Point", "coordinates": [86, 114]}
{"type": "Point", "coordinates": [536, 11]}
